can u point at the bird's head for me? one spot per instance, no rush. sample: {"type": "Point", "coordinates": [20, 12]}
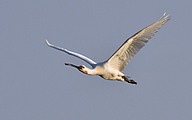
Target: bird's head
{"type": "Point", "coordinates": [81, 68]}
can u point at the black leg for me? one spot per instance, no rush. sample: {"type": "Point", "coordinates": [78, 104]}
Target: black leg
{"type": "Point", "coordinates": [129, 81]}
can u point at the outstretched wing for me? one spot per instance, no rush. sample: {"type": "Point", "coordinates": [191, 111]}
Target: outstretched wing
{"type": "Point", "coordinates": [86, 59]}
{"type": "Point", "coordinates": [132, 45]}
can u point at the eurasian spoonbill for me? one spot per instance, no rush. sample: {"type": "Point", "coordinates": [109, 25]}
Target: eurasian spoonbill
{"type": "Point", "coordinates": [112, 68]}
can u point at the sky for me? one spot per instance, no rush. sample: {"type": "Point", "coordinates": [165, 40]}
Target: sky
{"type": "Point", "coordinates": [36, 85]}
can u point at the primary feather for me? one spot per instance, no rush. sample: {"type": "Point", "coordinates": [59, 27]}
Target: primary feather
{"type": "Point", "coordinates": [86, 59]}
{"type": "Point", "coordinates": [132, 45]}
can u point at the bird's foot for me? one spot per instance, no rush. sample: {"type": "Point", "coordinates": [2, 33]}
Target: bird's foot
{"type": "Point", "coordinates": [129, 81]}
{"type": "Point", "coordinates": [132, 82]}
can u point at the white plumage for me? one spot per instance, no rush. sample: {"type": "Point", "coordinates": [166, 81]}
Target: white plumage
{"type": "Point", "coordinates": [113, 67]}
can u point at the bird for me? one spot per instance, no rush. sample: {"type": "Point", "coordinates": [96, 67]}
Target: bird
{"type": "Point", "coordinates": [112, 68]}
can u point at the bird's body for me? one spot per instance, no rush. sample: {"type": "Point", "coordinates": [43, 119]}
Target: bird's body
{"type": "Point", "coordinates": [106, 72]}
{"type": "Point", "coordinates": [113, 67]}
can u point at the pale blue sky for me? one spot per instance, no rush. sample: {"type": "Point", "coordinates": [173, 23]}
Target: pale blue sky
{"type": "Point", "coordinates": [36, 85]}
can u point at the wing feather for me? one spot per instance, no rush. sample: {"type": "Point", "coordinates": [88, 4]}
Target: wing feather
{"type": "Point", "coordinates": [132, 45]}
{"type": "Point", "coordinates": [86, 59]}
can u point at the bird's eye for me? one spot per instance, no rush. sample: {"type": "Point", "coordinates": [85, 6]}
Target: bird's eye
{"type": "Point", "coordinates": [81, 67]}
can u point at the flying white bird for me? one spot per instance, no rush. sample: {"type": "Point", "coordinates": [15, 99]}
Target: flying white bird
{"type": "Point", "coordinates": [112, 68]}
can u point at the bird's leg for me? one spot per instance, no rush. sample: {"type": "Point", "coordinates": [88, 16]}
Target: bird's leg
{"type": "Point", "coordinates": [129, 81]}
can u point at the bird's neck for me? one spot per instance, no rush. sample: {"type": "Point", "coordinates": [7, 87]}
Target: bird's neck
{"type": "Point", "coordinates": [91, 72]}
{"type": "Point", "coordinates": [95, 71]}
